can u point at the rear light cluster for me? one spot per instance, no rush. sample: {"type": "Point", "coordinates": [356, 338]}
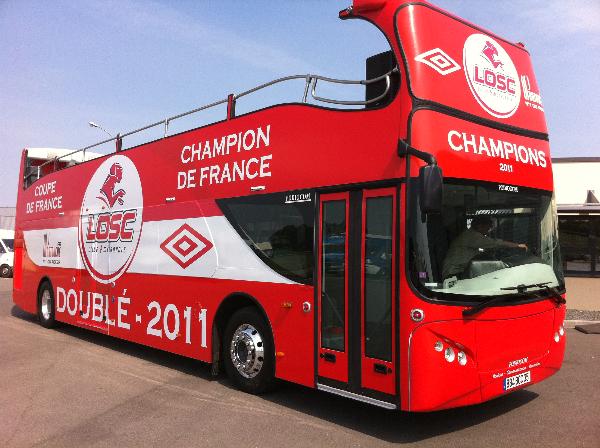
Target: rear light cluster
{"type": "Point", "coordinates": [450, 354]}
{"type": "Point", "coordinates": [560, 333]}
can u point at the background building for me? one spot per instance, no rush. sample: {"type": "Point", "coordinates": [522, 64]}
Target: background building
{"type": "Point", "coordinates": [7, 218]}
{"type": "Point", "coordinates": [577, 186]}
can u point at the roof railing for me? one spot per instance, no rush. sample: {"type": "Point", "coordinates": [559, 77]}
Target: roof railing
{"type": "Point", "coordinates": [310, 86]}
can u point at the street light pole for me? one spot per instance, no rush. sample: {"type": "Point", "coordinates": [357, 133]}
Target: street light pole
{"type": "Point", "coordinates": [95, 125]}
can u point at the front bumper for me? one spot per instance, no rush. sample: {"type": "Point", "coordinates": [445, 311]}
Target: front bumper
{"type": "Point", "coordinates": [494, 349]}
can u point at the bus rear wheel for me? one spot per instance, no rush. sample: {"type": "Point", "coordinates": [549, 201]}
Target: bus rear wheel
{"type": "Point", "coordinates": [46, 305]}
{"type": "Point", "coordinates": [248, 351]}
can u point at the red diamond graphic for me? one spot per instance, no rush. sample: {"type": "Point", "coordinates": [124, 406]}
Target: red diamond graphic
{"type": "Point", "coordinates": [185, 246]}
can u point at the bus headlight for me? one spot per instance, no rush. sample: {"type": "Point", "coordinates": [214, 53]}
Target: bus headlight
{"type": "Point", "coordinates": [462, 358]}
{"type": "Point", "coordinates": [449, 354]}
{"type": "Point", "coordinates": [561, 331]}
{"type": "Point", "coordinates": [438, 346]}
{"type": "Point", "coordinates": [556, 337]}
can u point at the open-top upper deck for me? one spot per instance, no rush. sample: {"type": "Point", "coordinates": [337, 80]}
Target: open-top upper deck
{"type": "Point", "coordinates": [466, 96]}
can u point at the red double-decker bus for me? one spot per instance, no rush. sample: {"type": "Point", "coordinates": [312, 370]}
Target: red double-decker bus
{"type": "Point", "coordinates": [400, 249]}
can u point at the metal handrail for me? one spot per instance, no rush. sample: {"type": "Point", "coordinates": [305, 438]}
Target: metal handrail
{"type": "Point", "coordinates": [270, 83]}
{"type": "Point", "coordinates": [310, 80]}
{"type": "Point", "coordinates": [365, 82]}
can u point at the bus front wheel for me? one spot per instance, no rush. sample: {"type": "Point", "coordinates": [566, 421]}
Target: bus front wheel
{"type": "Point", "coordinates": [46, 305]}
{"type": "Point", "coordinates": [248, 351]}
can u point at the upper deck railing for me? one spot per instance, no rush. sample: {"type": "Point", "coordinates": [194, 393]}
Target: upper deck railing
{"type": "Point", "coordinates": [310, 86]}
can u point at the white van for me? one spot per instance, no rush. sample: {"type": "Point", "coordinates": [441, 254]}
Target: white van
{"type": "Point", "coordinates": [7, 239]}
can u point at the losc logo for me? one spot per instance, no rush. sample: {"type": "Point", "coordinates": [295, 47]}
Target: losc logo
{"type": "Point", "coordinates": [110, 223]}
{"type": "Point", "coordinates": [108, 195]}
{"type": "Point", "coordinates": [491, 75]}
{"type": "Point", "coordinates": [113, 227]}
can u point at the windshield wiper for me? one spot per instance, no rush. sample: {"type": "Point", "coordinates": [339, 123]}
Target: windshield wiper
{"type": "Point", "coordinates": [521, 289]}
{"type": "Point", "coordinates": [550, 290]}
{"type": "Point", "coordinates": [555, 295]}
{"type": "Point", "coordinates": [477, 308]}
{"type": "Point", "coordinates": [480, 306]}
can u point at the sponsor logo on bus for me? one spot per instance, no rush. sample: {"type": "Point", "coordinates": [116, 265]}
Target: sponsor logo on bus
{"type": "Point", "coordinates": [297, 197]}
{"type": "Point", "coordinates": [185, 245]}
{"type": "Point", "coordinates": [491, 75]}
{"type": "Point", "coordinates": [110, 222]}
{"type": "Point", "coordinates": [532, 99]}
{"type": "Point", "coordinates": [438, 60]}
{"type": "Point", "coordinates": [50, 252]}
{"type": "Point", "coordinates": [517, 362]}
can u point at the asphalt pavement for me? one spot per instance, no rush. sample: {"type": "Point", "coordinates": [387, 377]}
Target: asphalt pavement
{"type": "Point", "coordinates": [72, 387]}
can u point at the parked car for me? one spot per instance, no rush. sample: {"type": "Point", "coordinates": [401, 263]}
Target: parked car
{"type": "Point", "coordinates": [7, 238]}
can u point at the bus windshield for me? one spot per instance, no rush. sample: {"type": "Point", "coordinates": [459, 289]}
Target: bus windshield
{"type": "Point", "coordinates": [490, 239]}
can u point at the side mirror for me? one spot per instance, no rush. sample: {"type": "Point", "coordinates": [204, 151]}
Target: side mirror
{"type": "Point", "coordinates": [431, 182]}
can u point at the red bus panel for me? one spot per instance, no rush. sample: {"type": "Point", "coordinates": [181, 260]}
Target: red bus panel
{"type": "Point", "coordinates": [454, 63]}
{"type": "Point", "coordinates": [472, 151]}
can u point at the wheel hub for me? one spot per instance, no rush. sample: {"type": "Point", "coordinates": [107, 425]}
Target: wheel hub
{"type": "Point", "coordinates": [46, 304]}
{"type": "Point", "coordinates": [247, 351]}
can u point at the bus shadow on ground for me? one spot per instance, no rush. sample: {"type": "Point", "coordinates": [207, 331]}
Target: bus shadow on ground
{"type": "Point", "coordinates": [393, 426]}
{"type": "Point", "coordinates": [389, 426]}
{"type": "Point", "coordinates": [180, 363]}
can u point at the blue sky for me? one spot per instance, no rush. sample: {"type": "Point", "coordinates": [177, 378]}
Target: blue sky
{"type": "Point", "coordinates": [127, 63]}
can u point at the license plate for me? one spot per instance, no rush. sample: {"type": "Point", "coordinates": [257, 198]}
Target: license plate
{"type": "Point", "coordinates": [517, 380]}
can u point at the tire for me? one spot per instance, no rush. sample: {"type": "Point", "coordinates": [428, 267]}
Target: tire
{"type": "Point", "coordinates": [5, 271]}
{"type": "Point", "coordinates": [46, 305]}
{"type": "Point", "coordinates": [249, 352]}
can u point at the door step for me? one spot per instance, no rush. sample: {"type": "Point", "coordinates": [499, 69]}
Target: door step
{"type": "Point", "coordinates": [357, 397]}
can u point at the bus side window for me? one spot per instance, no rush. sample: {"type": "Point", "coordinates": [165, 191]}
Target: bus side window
{"type": "Point", "coordinates": [278, 229]}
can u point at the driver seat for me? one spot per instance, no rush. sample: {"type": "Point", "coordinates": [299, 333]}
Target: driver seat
{"type": "Point", "coordinates": [481, 267]}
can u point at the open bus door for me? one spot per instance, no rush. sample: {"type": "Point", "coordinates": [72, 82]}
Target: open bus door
{"type": "Point", "coordinates": [357, 299]}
